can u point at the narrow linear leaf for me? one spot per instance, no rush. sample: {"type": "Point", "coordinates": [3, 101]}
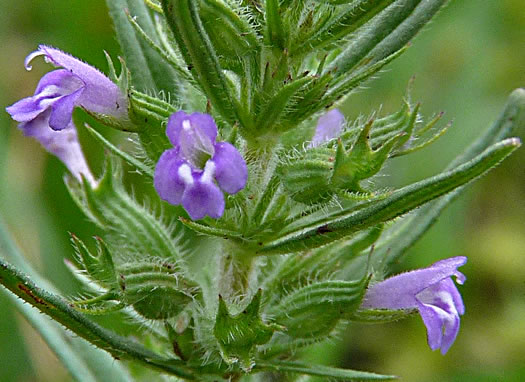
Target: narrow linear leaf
{"type": "Point", "coordinates": [347, 23]}
{"type": "Point", "coordinates": [347, 84]}
{"type": "Point", "coordinates": [140, 166]}
{"type": "Point", "coordinates": [59, 310]}
{"type": "Point", "coordinates": [347, 222]}
{"type": "Point", "coordinates": [344, 86]}
{"type": "Point", "coordinates": [398, 241]}
{"type": "Point", "coordinates": [273, 110]}
{"type": "Point", "coordinates": [198, 52]}
{"type": "Point", "coordinates": [150, 71]}
{"type": "Point", "coordinates": [211, 231]}
{"type": "Point", "coordinates": [230, 33]}
{"type": "Point", "coordinates": [53, 337]}
{"type": "Point", "coordinates": [265, 200]}
{"type": "Point", "coordinates": [401, 36]}
{"type": "Point", "coordinates": [321, 371]}
{"type": "Point", "coordinates": [386, 33]}
{"type": "Point", "coordinates": [274, 25]}
{"type": "Point", "coordinates": [162, 53]}
{"type": "Point", "coordinates": [60, 342]}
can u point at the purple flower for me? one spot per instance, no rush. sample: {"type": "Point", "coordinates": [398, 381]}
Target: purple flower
{"type": "Point", "coordinates": [189, 173]}
{"type": "Point", "coordinates": [329, 126]}
{"type": "Point", "coordinates": [59, 91]}
{"type": "Point", "coordinates": [47, 115]}
{"type": "Point", "coordinates": [63, 144]}
{"type": "Point", "coordinates": [429, 290]}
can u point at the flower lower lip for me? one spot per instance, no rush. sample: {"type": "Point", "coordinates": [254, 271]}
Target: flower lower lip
{"type": "Point", "coordinates": [429, 290]}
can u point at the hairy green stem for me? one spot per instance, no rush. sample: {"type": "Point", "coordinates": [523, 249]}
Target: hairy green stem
{"type": "Point", "coordinates": [61, 311]}
{"type": "Point", "coordinates": [235, 270]}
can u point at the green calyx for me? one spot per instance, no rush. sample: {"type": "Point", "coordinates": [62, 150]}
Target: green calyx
{"type": "Point", "coordinates": [156, 294]}
{"type": "Point", "coordinates": [156, 289]}
{"type": "Point", "coordinates": [314, 310]}
{"type": "Point", "coordinates": [337, 167]}
{"type": "Point", "coordinates": [361, 162]}
{"type": "Point", "coordinates": [239, 334]}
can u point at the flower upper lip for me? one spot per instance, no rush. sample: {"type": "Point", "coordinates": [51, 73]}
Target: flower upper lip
{"type": "Point", "coordinates": [77, 84]}
{"type": "Point", "coordinates": [49, 110]}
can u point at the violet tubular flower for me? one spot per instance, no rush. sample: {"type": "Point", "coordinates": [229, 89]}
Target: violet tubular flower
{"type": "Point", "coordinates": [47, 115]}
{"type": "Point", "coordinates": [197, 170]}
{"type": "Point", "coordinates": [59, 91]}
{"type": "Point", "coordinates": [429, 290]}
{"type": "Point", "coordinates": [328, 127]}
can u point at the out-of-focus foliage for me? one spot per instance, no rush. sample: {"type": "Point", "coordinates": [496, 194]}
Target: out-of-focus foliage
{"type": "Point", "coordinates": [465, 63]}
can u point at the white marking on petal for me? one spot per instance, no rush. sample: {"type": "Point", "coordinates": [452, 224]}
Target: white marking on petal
{"type": "Point", "coordinates": [436, 299]}
{"type": "Point", "coordinates": [44, 99]}
{"type": "Point", "coordinates": [186, 125]}
{"type": "Point", "coordinates": [46, 102]}
{"type": "Point", "coordinates": [49, 90]}
{"type": "Point", "coordinates": [185, 173]}
{"type": "Point", "coordinates": [30, 58]}
{"type": "Point", "coordinates": [209, 172]}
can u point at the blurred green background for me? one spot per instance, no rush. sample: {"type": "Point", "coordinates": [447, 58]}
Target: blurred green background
{"type": "Point", "coordinates": [466, 63]}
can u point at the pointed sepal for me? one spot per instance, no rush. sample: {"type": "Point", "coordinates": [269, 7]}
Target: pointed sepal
{"type": "Point", "coordinates": [361, 162]}
{"type": "Point", "coordinates": [341, 223]}
{"type": "Point", "coordinates": [99, 266]}
{"type": "Point", "coordinates": [134, 229]}
{"type": "Point", "coordinates": [239, 334]}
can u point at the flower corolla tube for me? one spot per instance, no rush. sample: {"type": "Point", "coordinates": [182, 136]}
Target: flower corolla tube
{"type": "Point", "coordinates": [429, 290]}
{"type": "Point", "coordinates": [329, 126]}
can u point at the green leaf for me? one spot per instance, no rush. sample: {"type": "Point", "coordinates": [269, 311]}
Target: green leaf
{"type": "Point", "coordinates": [264, 201]}
{"type": "Point", "coordinates": [59, 310]}
{"type": "Point", "coordinates": [401, 237]}
{"type": "Point", "coordinates": [321, 371]}
{"type": "Point", "coordinates": [418, 18]}
{"type": "Point", "coordinates": [142, 167]}
{"type": "Point", "coordinates": [339, 224]}
{"type": "Point", "coordinates": [60, 342]}
{"type": "Point", "coordinates": [53, 336]}
{"type": "Point", "coordinates": [268, 117]}
{"type": "Point", "coordinates": [293, 271]}
{"type": "Point", "coordinates": [165, 54]}
{"type": "Point", "coordinates": [211, 231]}
{"type": "Point", "coordinates": [336, 89]}
{"type": "Point", "coordinates": [132, 227]}
{"type": "Point", "coordinates": [230, 33]}
{"type": "Point", "coordinates": [274, 25]}
{"type": "Point", "coordinates": [343, 84]}
{"type": "Point", "coordinates": [148, 70]}
{"type": "Point", "coordinates": [199, 54]}
{"type": "Point", "coordinates": [386, 33]}
{"type": "Point", "coordinates": [344, 24]}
